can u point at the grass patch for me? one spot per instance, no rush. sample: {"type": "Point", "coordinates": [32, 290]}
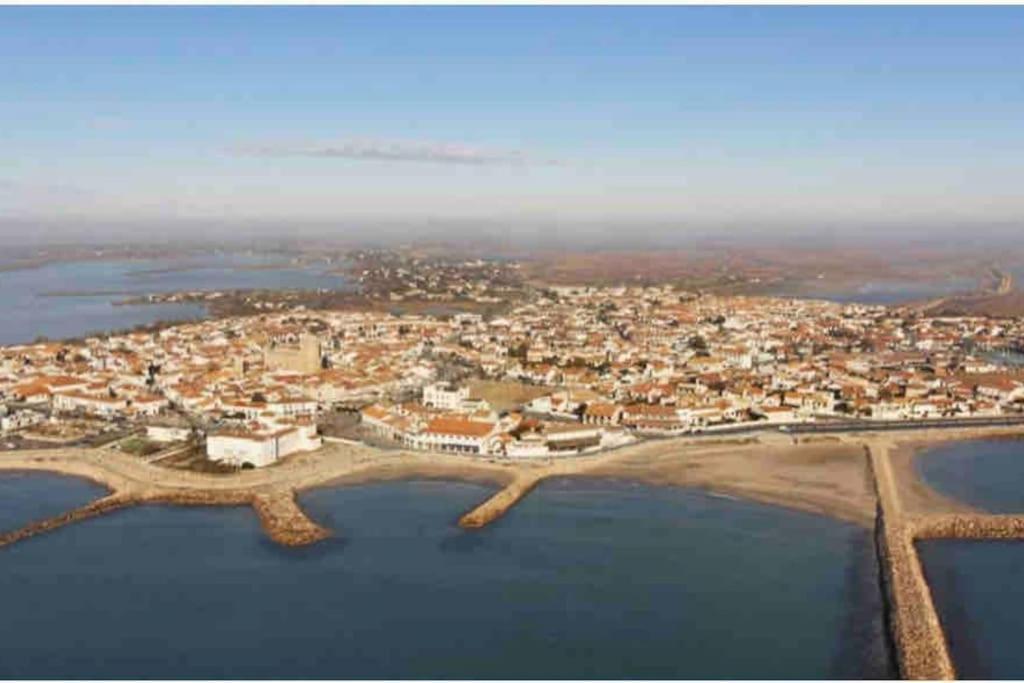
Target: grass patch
{"type": "Point", "coordinates": [137, 445]}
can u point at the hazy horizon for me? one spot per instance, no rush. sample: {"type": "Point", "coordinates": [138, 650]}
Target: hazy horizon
{"type": "Point", "coordinates": [539, 126]}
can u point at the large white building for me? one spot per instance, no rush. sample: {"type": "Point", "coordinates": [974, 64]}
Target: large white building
{"type": "Point", "coordinates": [260, 447]}
{"type": "Point", "coordinates": [459, 435]}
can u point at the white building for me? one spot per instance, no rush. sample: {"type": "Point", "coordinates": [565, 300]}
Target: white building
{"type": "Point", "coordinates": [103, 405]}
{"type": "Point", "coordinates": [167, 432]}
{"type": "Point", "coordinates": [459, 435]}
{"type": "Point", "coordinates": [292, 407]}
{"type": "Point", "coordinates": [20, 420]}
{"type": "Point", "coordinates": [444, 397]}
{"type": "Point", "coordinates": [260, 448]}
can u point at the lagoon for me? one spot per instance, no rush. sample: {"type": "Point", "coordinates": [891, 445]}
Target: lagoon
{"type": "Point", "coordinates": [64, 300]}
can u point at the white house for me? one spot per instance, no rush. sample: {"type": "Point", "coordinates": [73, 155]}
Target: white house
{"type": "Point", "coordinates": [166, 432]}
{"type": "Point", "coordinates": [20, 420]}
{"type": "Point", "coordinates": [445, 397]}
{"type": "Point", "coordinates": [103, 405]}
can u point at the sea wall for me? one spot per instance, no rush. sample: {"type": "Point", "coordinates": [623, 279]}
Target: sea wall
{"type": "Point", "coordinates": [922, 653]}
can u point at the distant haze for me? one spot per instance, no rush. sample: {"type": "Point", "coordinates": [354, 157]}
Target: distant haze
{"type": "Point", "coordinates": [565, 127]}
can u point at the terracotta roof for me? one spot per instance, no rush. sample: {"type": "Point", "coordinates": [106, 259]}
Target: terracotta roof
{"type": "Point", "coordinates": [601, 409]}
{"type": "Point", "coordinates": [457, 426]}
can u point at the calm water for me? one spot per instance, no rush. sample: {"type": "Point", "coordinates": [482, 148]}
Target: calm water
{"type": "Point", "coordinates": [597, 579]}
{"type": "Point", "coordinates": [978, 593]}
{"type": "Point", "coordinates": [988, 474]}
{"type": "Point", "coordinates": [31, 496]}
{"type": "Point", "coordinates": [879, 291]}
{"type": "Point", "coordinates": [29, 308]}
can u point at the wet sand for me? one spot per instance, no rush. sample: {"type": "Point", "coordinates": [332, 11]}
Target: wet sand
{"type": "Point", "coordinates": [918, 498]}
{"type": "Point", "coordinates": [824, 475]}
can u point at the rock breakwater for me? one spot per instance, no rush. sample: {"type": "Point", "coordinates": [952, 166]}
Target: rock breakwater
{"type": "Point", "coordinates": [498, 504]}
{"type": "Point", "coordinates": [922, 652]}
{"type": "Point", "coordinates": [982, 527]}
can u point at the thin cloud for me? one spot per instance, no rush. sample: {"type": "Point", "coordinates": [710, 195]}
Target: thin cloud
{"type": "Point", "coordinates": [398, 151]}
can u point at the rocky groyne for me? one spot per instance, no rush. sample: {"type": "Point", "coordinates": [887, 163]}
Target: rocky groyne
{"type": "Point", "coordinates": [498, 504]}
{"type": "Point", "coordinates": [285, 522]}
{"type": "Point", "coordinates": [93, 509]}
{"type": "Point", "coordinates": [280, 515]}
{"type": "Point", "coordinates": [922, 653]}
{"type": "Point", "coordinates": [981, 527]}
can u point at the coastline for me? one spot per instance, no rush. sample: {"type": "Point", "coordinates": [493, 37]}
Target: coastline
{"type": "Point", "coordinates": [826, 475]}
{"type": "Point", "coordinates": [867, 479]}
{"type": "Point", "coordinates": [917, 496]}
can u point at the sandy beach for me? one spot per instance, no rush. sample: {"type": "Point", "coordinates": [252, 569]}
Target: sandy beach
{"type": "Point", "coordinates": [917, 497]}
{"type": "Point", "coordinates": [823, 474]}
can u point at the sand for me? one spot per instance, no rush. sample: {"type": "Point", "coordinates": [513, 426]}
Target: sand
{"type": "Point", "coordinates": [827, 475]}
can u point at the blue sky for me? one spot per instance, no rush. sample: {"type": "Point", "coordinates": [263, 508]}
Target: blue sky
{"type": "Point", "coordinates": [689, 116]}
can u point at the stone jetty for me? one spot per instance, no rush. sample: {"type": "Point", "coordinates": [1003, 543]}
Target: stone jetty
{"type": "Point", "coordinates": [498, 504]}
{"type": "Point", "coordinates": [285, 522]}
{"type": "Point", "coordinates": [920, 642]}
{"type": "Point", "coordinates": [980, 527]}
{"type": "Point", "coordinates": [93, 509]}
{"type": "Point", "coordinates": [280, 515]}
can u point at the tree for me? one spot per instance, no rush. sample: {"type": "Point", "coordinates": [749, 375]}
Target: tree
{"type": "Point", "coordinates": [519, 351]}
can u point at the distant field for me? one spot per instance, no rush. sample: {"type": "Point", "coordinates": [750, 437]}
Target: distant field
{"type": "Point", "coordinates": [505, 395]}
{"type": "Point", "coordinates": [722, 268]}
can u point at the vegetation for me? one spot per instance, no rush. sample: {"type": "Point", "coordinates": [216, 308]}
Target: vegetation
{"type": "Point", "coordinates": [140, 446]}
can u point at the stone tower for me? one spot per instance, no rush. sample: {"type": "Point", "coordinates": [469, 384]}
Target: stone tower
{"type": "Point", "coordinates": [304, 358]}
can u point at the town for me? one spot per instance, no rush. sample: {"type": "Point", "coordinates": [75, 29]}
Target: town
{"type": "Point", "coordinates": [567, 371]}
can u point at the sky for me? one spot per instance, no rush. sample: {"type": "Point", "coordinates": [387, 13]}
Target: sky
{"type": "Point", "coordinates": [613, 122]}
